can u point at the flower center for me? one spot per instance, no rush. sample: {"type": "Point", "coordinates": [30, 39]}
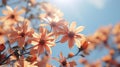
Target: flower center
{"type": "Point", "coordinates": [64, 62]}
{"type": "Point", "coordinates": [22, 34]}
{"type": "Point", "coordinates": [1, 33]}
{"type": "Point", "coordinates": [42, 42]}
{"type": "Point", "coordinates": [12, 16]}
{"type": "Point", "coordinates": [71, 34]}
{"type": "Point", "coordinates": [53, 24]}
{"type": "Point", "coordinates": [49, 13]}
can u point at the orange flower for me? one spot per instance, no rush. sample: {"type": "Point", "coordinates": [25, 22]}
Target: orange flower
{"type": "Point", "coordinates": [95, 64]}
{"type": "Point", "coordinates": [70, 55]}
{"type": "Point", "coordinates": [43, 41]}
{"type": "Point", "coordinates": [63, 61]}
{"type": "Point", "coordinates": [56, 24]}
{"type": "Point", "coordinates": [51, 11]}
{"type": "Point", "coordinates": [72, 35]}
{"type": "Point", "coordinates": [12, 16]}
{"type": "Point", "coordinates": [107, 58]}
{"type": "Point", "coordinates": [116, 32]}
{"type": "Point", "coordinates": [21, 34]}
{"type": "Point", "coordinates": [23, 63]}
{"type": "Point", "coordinates": [31, 58]}
{"type": "Point", "coordinates": [43, 62]}
{"type": "Point", "coordinates": [85, 45]}
{"type": "Point", "coordinates": [117, 39]}
{"type": "Point", "coordinates": [102, 33]}
{"type": "Point", "coordinates": [83, 61]}
{"type": "Point", "coordinates": [116, 29]}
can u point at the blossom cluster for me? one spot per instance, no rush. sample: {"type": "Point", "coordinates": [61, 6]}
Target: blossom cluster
{"type": "Point", "coordinates": [27, 38]}
{"type": "Point", "coordinates": [22, 45]}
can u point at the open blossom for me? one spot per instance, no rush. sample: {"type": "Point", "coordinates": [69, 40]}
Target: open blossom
{"type": "Point", "coordinates": [43, 62]}
{"type": "Point", "coordinates": [56, 24]}
{"type": "Point", "coordinates": [95, 64]}
{"type": "Point", "coordinates": [102, 33]}
{"type": "Point", "coordinates": [72, 35]}
{"type": "Point", "coordinates": [116, 32]}
{"type": "Point", "coordinates": [11, 16]}
{"type": "Point", "coordinates": [63, 61]}
{"type": "Point", "coordinates": [21, 34]}
{"type": "Point", "coordinates": [116, 29]}
{"type": "Point", "coordinates": [50, 11]}
{"type": "Point", "coordinates": [88, 64]}
{"type": "Point", "coordinates": [23, 63]}
{"type": "Point", "coordinates": [43, 41]}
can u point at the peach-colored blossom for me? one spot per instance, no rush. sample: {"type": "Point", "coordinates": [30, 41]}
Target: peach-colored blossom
{"type": "Point", "coordinates": [72, 35]}
{"type": "Point", "coordinates": [50, 11]}
{"type": "Point", "coordinates": [11, 16]}
{"type": "Point", "coordinates": [22, 34]}
{"type": "Point", "coordinates": [43, 41]}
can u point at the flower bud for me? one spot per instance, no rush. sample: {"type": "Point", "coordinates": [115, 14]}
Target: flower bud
{"type": "Point", "coordinates": [111, 52]}
{"type": "Point", "coordinates": [31, 58]}
{"type": "Point", "coordinates": [70, 55]}
{"type": "Point", "coordinates": [84, 45]}
{"type": "Point", "coordinates": [2, 47]}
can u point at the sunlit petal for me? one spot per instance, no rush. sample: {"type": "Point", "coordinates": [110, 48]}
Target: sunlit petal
{"type": "Point", "coordinates": [72, 26]}
{"type": "Point", "coordinates": [48, 49]}
{"type": "Point", "coordinates": [70, 43]}
{"type": "Point", "coordinates": [64, 39]}
{"type": "Point", "coordinates": [79, 29]}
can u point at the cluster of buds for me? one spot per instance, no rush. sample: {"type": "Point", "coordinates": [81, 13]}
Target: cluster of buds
{"type": "Point", "coordinates": [116, 32]}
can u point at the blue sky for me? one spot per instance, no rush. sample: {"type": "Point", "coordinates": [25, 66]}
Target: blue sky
{"type": "Point", "coordinates": [90, 13]}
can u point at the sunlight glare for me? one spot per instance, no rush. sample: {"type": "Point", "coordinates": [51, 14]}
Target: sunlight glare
{"type": "Point", "coordinates": [64, 2]}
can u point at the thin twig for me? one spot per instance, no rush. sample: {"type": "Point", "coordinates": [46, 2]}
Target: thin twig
{"type": "Point", "coordinates": [31, 47]}
{"type": "Point", "coordinates": [6, 59]}
{"type": "Point", "coordinates": [57, 41]}
{"type": "Point", "coordinates": [75, 54]}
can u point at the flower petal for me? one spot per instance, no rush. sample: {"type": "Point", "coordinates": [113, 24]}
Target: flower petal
{"type": "Point", "coordinates": [21, 41]}
{"type": "Point", "coordinates": [51, 44]}
{"type": "Point", "coordinates": [79, 29]}
{"type": "Point", "coordinates": [5, 12]}
{"type": "Point", "coordinates": [3, 18]}
{"type": "Point", "coordinates": [43, 31]}
{"type": "Point", "coordinates": [64, 39]}
{"type": "Point", "coordinates": [72, 26]}
{"type": "Point", "coordinates": [61, 55]}
{"type": "Point", "coordinates": [40, 49]}
{"type": "Point", "coordinates": [70, 43]}
{"type": "Point", "coordinates": [21, 12]}
{"type": "Point", "coordinates": [19, 18]}
{"type": "Point", "coordinates": [78, 43]}
{"type": "Point", "coordinates": [48, 49]}
{"type": "Point", "coordinates": [9, 8]}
